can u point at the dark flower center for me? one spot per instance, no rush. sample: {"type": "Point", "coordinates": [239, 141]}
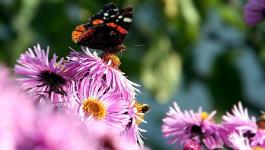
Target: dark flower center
{"type": "Point", "coordinates": [107, 143]}
{"type": "Point", "coordinates": [53, 81]}
{"type": "Point", "coordinates": [196, 131]}
{"type": "Point", "coordinates": [249, 135]}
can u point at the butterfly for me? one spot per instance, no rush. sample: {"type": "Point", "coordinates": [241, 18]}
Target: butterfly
{"type": "Point", "coordinates": [105, 30]}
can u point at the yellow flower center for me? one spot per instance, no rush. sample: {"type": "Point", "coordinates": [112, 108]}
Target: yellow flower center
{"type": "Point", "coordinates": [204, 115]}
{"type": "Point", "coordinates": [115, 61]}
{"type": "Point", "coordinates": [94, 107]}
{"type": "Point", "coordinates": [258, 148]}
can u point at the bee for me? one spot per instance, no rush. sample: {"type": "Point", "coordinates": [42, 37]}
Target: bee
{"type": "Point", "coordinates": [142, 109]}
{"type": "Point", "coordinates": [145, 108]}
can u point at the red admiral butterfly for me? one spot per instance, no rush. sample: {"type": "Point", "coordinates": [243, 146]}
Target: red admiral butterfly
{"type": "Point", "coordinates": [105, 30]}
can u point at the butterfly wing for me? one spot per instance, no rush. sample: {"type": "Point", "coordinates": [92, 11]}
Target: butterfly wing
{"type": "Point", "coordinates": [105, 30]}
{"type": "Point", "coordinates": [109, 11]}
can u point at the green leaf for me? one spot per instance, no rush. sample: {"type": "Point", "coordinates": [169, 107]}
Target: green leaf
{"type": "Point", "coordinates": [161, 70]}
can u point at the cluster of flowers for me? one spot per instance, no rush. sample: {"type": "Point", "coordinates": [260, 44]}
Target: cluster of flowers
{"type": "Point", "coordinates": [195, 130]}
{"type": "Point", "coordinates": [254, 12]}
{"type": "Point", "coordinates": [83, 102]}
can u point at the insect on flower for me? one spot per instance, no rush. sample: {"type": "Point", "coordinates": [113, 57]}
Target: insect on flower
{"type": "Point", "coordinates": [238, 120]}
{"type": "Point", "coordinates": [144, 108]}
{"type": "Point", "coordinates": [141, 110]}
{"type": "Point", "coordinates": [189, 127]}
{"type": "Point", "coordinates": [261, 121]}
{"type": "Point", "coordinates": [105, 30]}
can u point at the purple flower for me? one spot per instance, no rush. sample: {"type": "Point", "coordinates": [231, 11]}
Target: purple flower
{"type": "Point", "coordinates": [239, 121]}
{"type": "Point", "coordinates": [42, 77]}
{"type": "Point", "coordinates": [54, 132]}
{"type": "Point", "coordinates": [254, 12]}
{"type": "Point", "coordinates": [5, 77]}
{"type": "Point", "coordinates": [92, 101]}
{"type": "Point", "coordinates": [192, 145]}
{"type": "Point", "coordinates": [182, 127]}
{"type": "Point", "coordinates": [133, 132]}
{"type": "Point", "coordinates": [23, 127]}
{"type": "Point", "coordinates": [239, 142]}
{"type": "Point", "coordinates": [105, 68]}
{"type": "Point", "coordinates": [16, 111]}
{"type": "Point", "coordinates": [106, 139]}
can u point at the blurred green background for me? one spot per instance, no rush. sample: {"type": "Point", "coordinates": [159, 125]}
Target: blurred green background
{"type": "Point", "coordinates": [196, 52]}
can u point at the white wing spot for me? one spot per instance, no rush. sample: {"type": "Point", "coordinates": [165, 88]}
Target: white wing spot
{"type": "Point", "coordinates": [112, 16]}
{"type": "Point", "coordinates": [117, 20]}
{"type": "Point", "coordinates": [120, 16]}
{"type": "Point", "coordinates": [127, 19]}
{"type": "Point", "coordinates": [106, 14]}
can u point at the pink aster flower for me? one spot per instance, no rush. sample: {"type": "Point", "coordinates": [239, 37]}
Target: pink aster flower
{"type": "Point", "coordinates": [52, 131]}
{"type": "Point", "coordinates": [183, 127]}
{"type": "Point", "coordinates": [239, 142]}
{"type": "Point", "coordinates": [133, 132]}
{"type": "Point", "coordinates": [16, 111]}
{"type": "Point", "coordinates": [106, 139]}
{"type": "Point", "coordinates": [105, 68]}
{"type": "Point", "coordinates": [254, 11]}
{"type": "Point", "coordinates": [42, 77]}
{"type": "Point", "coordinates": [5, 77]}
{"type": "Point", "coordinates": [239, 121]}
{"type": "Point", "coordinates": [23, 127]}
{"type": "Point", "coordinates": [92, 101]}
{"type": "Point", "coordinates": [192, 145]}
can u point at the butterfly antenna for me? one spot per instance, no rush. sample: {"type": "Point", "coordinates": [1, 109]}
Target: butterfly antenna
{"type": "Point", "coordinates": [140, 45]}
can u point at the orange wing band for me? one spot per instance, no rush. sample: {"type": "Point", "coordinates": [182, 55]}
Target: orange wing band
{"type": "Point", "coordinates": [77, 33]}
{"type": "Point", "coordinates": [122, 30]}
{"type": "Point", "coordinates": [111, 24]}
{"type": "Point", "coordinates": [119, 28]}
{"type": "Point", "coordinates": [97, 21]}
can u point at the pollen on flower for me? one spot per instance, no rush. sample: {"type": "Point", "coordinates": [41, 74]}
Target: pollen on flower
{"type": "Point", "coordinates": [95, 108]}
{"type": "Point", "coordinates": [258, 148]}
{"type": "Point", "coordinates": [115, 61]}
{"type": "Point", "coordinates": [204, 115]}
